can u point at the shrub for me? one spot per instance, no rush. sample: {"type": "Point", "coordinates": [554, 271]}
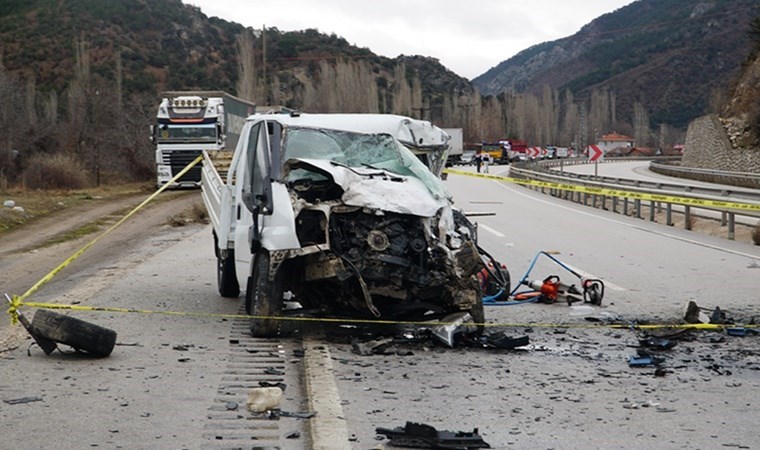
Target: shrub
{"type": "Point", "coordinates": [56, 171]}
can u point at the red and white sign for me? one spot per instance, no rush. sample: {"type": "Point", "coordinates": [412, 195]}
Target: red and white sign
{"type": "Point", "coordinates": [595, 153]}
{"type": "Point", "coordinates": [533, 152]}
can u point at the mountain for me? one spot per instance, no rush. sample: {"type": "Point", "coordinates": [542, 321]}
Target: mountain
{"type": "Point", "coordinates": [670, 55]}
{"type": "Point", "coordinates": [82, 78]}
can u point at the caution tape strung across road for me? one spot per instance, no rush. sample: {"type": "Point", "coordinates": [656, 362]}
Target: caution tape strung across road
{"type": "Point", "coordinates": [19, 301]}
{"type": "Point", "coordinates": [687, 201]}
{"type": "Point", "coordinates": [695, 326]}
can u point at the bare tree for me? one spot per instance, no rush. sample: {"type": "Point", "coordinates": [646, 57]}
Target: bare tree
{"type": "Point", "coordinates": [246, 84]}
{"type": "Point", "coordinates": [641, 131]}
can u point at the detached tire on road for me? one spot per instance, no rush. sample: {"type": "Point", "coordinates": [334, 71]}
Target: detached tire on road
{"type": "Point", "coordinates": [263, 297]}
{"type": "Point", "coordinates": [226, 278]}
{"type": "Point", "coordinates": [76, 333]}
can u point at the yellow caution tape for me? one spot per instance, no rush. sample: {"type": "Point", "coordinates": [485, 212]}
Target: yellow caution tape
{"type": "Point", "coordinates": [696, 326]}
{"type": "Point", "coordinates": [17, 301]}
{"type": "Point", "coordinates": [615, 192]}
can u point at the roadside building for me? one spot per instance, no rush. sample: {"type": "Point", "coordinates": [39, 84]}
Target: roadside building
{"type": "Point", "coordinates": [613, 141]}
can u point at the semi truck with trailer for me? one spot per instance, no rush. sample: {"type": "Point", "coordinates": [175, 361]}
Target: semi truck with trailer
{"type": "Point", "coordinates": [339, 214]}
{"type": "Point", "coordinates": [190, 122]}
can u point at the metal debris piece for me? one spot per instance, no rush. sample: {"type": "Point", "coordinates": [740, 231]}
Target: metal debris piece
{"type": "Point", "coordinates": [418, 435]}
{"type": "Point", "coordinates": [453, 324]}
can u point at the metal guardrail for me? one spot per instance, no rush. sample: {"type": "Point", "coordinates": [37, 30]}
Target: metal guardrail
{"type": "Point", "coordinates": [742, 179]}
{"type": "Point", "coordinates": [540, 170]}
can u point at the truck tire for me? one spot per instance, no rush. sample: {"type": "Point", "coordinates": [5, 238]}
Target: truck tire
{"type": "Point", "coordinates": [81, 335]}
{"type": "Point", "coordinates": [263, 297]}
{"type": "Point", "coordinates": [226, 279]}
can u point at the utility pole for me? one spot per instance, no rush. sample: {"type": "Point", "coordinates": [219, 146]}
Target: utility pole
{"type": "Point", "coordinates": [264, 61]}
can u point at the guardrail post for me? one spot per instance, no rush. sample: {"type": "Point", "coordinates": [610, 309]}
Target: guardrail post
{"type": "Point", "coordinates": [604, 202]}
{"type": "Point", "coordinates": [731, 225]}
{"type": "Point", "coordinates": [614, 204]}
{"type": "Point", "coordinates": [687, 217]}
{"type": "Point", "coordinates": [723, 219]}
{"type": "Point", "coordinates": [585, 199]}
{"type": "Point", "coordinates": [651, 210]}
{"type": "Point", "coordinates": [637, 207]}
{"type": "Point", "coordinates": [669, 214]}
{"type": "Point", "coordinates": [625, 206]}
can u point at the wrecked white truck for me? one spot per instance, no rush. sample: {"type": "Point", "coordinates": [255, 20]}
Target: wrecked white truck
{"type": "Point", "coordinates": [333, 213]}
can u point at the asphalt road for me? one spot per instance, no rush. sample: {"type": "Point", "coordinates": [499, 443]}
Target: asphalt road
{"type": "Point", "coordinates": [572, 387]}
{"type": "Point", "coordinates": [181, 382]}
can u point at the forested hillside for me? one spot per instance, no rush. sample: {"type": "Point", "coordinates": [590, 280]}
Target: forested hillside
{"type": "Point", "coordinates": [81, 80]}
{"type": "Point", "coordinates": [673, 58]}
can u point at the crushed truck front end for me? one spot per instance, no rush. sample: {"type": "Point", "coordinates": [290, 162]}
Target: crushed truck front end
{"type": "Point", "coordinates": [372, 231]}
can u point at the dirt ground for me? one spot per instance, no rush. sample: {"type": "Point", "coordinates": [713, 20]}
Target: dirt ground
{"type": "Point", "coordinates": [25, 257]}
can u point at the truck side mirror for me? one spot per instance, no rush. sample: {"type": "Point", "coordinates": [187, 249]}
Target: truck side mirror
{"type": "Point", "coordinates": [152, 134]}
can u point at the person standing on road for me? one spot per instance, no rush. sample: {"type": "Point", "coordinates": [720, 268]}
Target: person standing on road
{"type": "Point", "coordinates": [486, 162]}
{"type": "Point", "coordinates": [478, 159]}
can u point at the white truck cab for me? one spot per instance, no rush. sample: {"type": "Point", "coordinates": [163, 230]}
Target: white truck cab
{"type": "Point", "coordinates": [335, 212]}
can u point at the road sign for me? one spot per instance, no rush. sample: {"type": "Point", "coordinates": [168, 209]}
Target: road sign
{"type": "Point", "coordinates": [595, 153]}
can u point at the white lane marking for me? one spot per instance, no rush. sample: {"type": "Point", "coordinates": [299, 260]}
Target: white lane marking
{"type": "Point", "coordinates": [491, 230]}
{"type": "Point", "coordinates": [660, 233]}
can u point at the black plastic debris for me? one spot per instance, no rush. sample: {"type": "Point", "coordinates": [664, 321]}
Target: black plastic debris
{"type": "Point", "coordinates": [22, 400]}
{"type": "Point", "coordinates": [644, 359]}
{"type": "Point", "coordinates": [656, 343]}
{"type": "Point", "coordinates": [418, 435]}
{"type": "Point", "coordinates": [502, 341]}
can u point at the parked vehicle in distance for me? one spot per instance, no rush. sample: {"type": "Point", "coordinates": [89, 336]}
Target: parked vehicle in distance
{"type": "Point", "coordinates": [333, 212]}
{"type": "Point", "coordinates": [189, 122]}
{"type": "Point", "coordinates": [467, 158]}
{"type": "Point", "coordinates": [456, 146]}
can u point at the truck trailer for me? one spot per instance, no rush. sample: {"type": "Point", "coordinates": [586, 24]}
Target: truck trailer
{"type": "Point", "coordinates": [190, 122]}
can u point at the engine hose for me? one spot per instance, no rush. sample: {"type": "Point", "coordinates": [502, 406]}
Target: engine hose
{"type": "Point", "coordinates": [491, 299]}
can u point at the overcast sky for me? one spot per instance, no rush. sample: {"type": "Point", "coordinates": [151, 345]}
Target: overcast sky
{"type": "Point", "coordinates": [467, 36]}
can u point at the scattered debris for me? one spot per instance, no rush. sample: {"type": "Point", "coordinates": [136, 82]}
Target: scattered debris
{"type": "Point", "coordinates": [417, 435]}
{"type": "Point", "coordinates": [373, 347]}
{"type": "Point", "coordinates": [643, 359]}
{"type": "Point", "coordinates": [19, 401]}
{"type": "Point", "coordinates": [270, 384]}
{"type": "Point", "coordinates": [656, 343]}
{"type": "Point", "coordinates": [696, 314]}
{"type": "Point", "coordinates": [453, 324]}
{"type": "Point", "coordinates": [740, 331]}
{"type": "Point", "coordinates": [264, 398]}
{"type": "Point", "coordinates": [299, 415]}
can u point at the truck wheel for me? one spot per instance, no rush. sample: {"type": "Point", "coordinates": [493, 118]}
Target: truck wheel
{"type": "Point", "coordinates": [226, 279]}
{"type": "Point", "coordinates": [81, 335]}
{"type": "Point", "coordinates": [263, 297]}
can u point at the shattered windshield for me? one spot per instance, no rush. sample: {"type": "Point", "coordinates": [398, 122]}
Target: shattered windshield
{"type": "Point", "coordinates": [359, 150]}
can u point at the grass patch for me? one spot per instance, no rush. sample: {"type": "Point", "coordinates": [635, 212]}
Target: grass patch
{"type": "Point", "coordinates": [38, 203]}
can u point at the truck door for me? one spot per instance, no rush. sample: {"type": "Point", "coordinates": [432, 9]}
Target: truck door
{"type": "Point", "coordinates": [254, 196]}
